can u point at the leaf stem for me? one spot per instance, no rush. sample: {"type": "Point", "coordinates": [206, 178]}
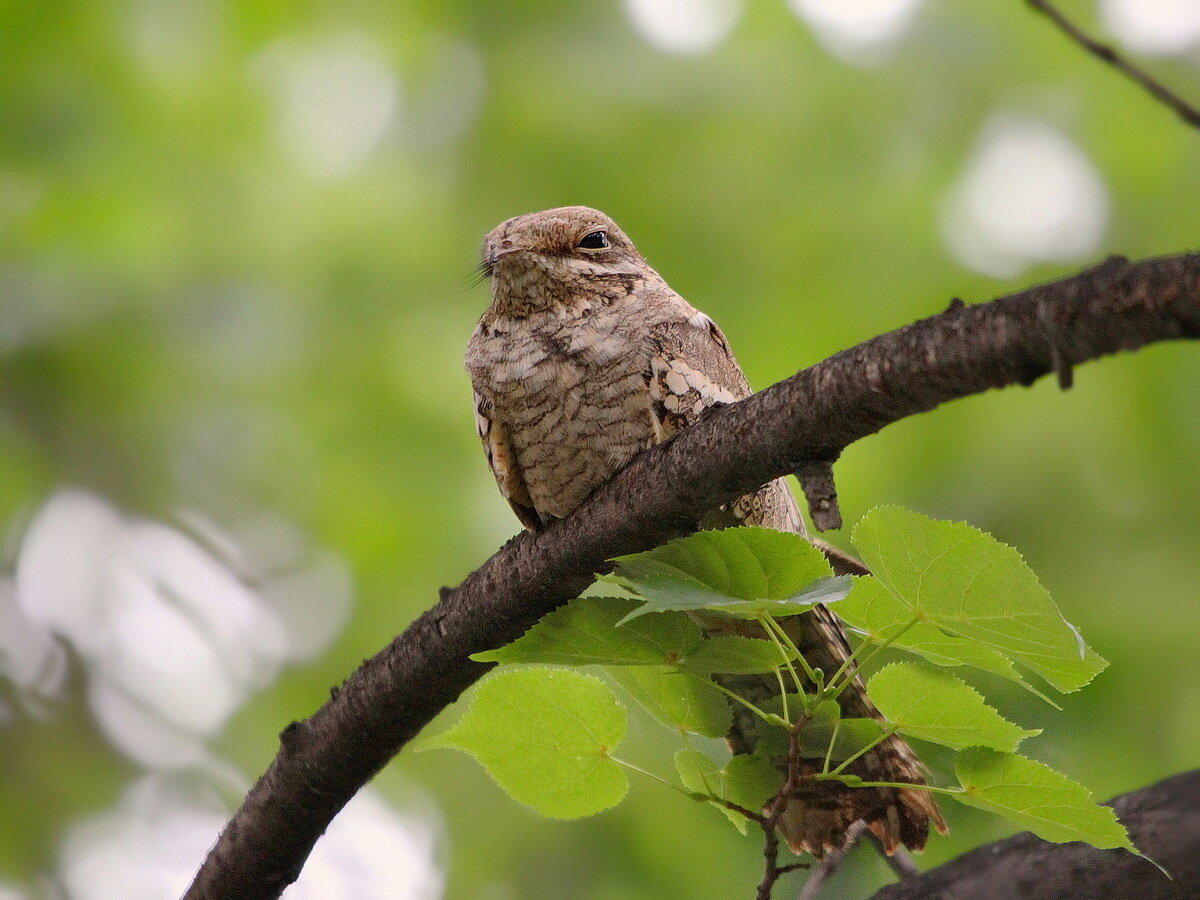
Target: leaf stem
{"type": "Point", "coordinates": [780, 636]}
{"type": "Point", "coordinates": [658, 778]}
{"type": "Point", "coordinates": [765, 716]}
{"type": "Point", "coordinates": [849, 781]}
{"type": "Point", "coordinates": [783, 695]}
{"type": "Point", "coordinates": [887, 733]}
{"type": "Point", "coordinates": [734, 807]}
{"type": "Point", "coordinates": [844, 671]}
{"type": "Point", "coordinates": [837, 726]}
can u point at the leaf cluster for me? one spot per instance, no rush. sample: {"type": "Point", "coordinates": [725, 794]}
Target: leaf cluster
{"type": "Point", "coordinates": [947, 595]}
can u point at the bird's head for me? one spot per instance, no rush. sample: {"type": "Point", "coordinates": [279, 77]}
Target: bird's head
{"type": "Point", "coordinates": [540, 258]}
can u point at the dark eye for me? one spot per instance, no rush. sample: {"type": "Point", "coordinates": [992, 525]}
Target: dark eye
{"type": "Point", "coordinates": [596, 240]}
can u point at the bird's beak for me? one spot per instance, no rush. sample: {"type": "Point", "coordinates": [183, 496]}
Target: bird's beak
{"type": "Point", "coordinates": [494, 256]}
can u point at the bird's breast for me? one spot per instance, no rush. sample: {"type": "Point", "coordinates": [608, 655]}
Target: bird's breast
{"type": "Point", "coordinates": [573, 401]}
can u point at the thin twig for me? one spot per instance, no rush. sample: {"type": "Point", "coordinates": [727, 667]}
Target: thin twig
{"type": "Point", "coordinates": [831, 863]}
{"type": "Point", "coordinates": [770, 864]}
{"type": "Point", "coordinates": [774, 812]}
{"type": "Point", "coordinates": [899, 860]}
{"type": "Point", "coordinates": [1109, 55]}
{"type": "Point", "coordinates": [734, 807]}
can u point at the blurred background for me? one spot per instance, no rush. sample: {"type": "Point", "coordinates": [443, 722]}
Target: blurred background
{"type": "Point", "coordinates": [236, 446]}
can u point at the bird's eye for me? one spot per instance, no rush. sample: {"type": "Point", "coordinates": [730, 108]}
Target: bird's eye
{"type": "Point", "coordinates": [596, 240]}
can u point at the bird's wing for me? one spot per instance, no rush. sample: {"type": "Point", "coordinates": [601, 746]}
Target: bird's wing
{"type": "Point", "coordinates": [691, 369]}
{"type": "Point", "coordinates": [503, 463]}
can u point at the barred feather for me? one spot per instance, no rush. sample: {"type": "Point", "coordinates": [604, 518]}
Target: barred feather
{"type": "Point", "coordinates": [585, 358]}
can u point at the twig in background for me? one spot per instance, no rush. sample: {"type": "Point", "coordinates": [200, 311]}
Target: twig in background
{"type": "Point", "coordinates": [1151, 85]}
{"type": "Point", "coordinates": [831, 863]}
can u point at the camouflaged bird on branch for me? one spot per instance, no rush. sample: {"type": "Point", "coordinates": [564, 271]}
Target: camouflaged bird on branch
{"type": "Point", "coordinates": [587, 357]}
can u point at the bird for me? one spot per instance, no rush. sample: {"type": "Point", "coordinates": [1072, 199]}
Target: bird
{"type": "Point", "coordinates": [584, 358]}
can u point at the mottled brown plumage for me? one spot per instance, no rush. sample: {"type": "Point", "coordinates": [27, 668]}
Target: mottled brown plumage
{"type": "Point", "coordinates": [586, 357]}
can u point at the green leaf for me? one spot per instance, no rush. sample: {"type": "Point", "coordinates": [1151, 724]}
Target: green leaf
{"type": "Point", "coordinates": [734, 655]}
{"type": "Point", "coordinates": [852, 736]}
{"type": "Point", "coordinates": [751, 779]}
{"type": "Point", "coordinates": [681, 702]}
{"type": "Point", "coordinates": [585, 632]}
{"type": "Point", "coordinates": [747, 780]}
{"type": "Point", "coordinates": [873, 611]}
{"type": "Point", "coordinates": [698, 773]}
{"type": "Point", "coordinates": [544, 735]}
{"type": "Point", "coordinates": [821, 591]}
{"type": "Point", "coordinates": [814, 737]}
{"type": "Point", "coordinates": [969, 584]}
{"type": "Point", "coordinates": [935, 706]}
{"type": "Point", "coordinates": [848, 735]}
{"type": "Point", "coordinates": [745, 572]}
{"type": "Point", "coordinates": [1036, 797]}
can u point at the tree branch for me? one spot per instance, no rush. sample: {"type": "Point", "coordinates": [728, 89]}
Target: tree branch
{"type": "Point", "coordinates": [816, 478]}
{"type": "Point", "coordinates": [1107, 54]}
{"type": "Point", "coordinates": [1163, 820]}
{"type": "Point", "coordinates": [324, 760]}
{"type": "Point", "coordinates": [831, 863]}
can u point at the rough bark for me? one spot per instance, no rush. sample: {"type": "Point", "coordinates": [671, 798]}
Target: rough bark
{"type": "Point", "coordinates": [1163, 820]}
{"type": "Point", "coordinates": [324, 760]}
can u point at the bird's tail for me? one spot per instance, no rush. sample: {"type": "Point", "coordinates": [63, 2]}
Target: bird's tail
{"type": "Point", "coordinates": [819, 813]}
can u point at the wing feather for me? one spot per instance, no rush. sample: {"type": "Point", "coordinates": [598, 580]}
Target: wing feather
{"type": "Point", "coordinates": [503, 462]}
{"type": "Point", "coordinates": [692, 369]}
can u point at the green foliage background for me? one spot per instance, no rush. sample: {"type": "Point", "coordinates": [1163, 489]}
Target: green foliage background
{"type": "Point", "coordinates": [167, 270]}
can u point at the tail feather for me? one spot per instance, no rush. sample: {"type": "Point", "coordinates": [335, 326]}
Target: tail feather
{"type": "Point", "coordinates": [820, 812]}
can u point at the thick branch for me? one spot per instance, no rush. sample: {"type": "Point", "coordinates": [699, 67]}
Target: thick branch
{"type": "Point", "coordinates": [1163, 819]}
{"type": "Point", "coordinates": [324, 760]}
